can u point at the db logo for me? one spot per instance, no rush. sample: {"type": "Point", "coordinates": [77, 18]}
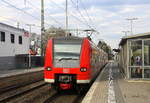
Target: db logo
{"type": "Point", "coordinates": [66, 71]}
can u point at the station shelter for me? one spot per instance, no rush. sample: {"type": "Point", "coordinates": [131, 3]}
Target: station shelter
{"type": "Point", "coordinates": [134, 56]}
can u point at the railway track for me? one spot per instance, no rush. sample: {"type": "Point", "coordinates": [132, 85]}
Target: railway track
{"type": "Point", "coordinates": [16, 92]}
{"type": "Point", "coordinates": [69, 96]}
{"type": "Point", "coordinates": [38, 92]}
{"type": "Point", "coordinates": [11, 87]}
{"type": "Point", "coordinates": [52, 98]}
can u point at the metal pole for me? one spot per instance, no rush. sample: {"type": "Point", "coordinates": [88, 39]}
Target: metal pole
{"type": "Point", "coordinates": [29, 48]}
{"type": "Point", "coordinates": [125, 32]}
{"type": "Point", "coordinates": [30, 25]}
{"type": "Point", "coordinates": [131, 27]}
{"type": "Point", "coordinates": [18, 24]}
{"type": "Point", "coordinates": [131, 22]}
{"type": "Point", "coordinates": [66, 18]}
{"type": "Point", "coordinates": [29, 44]}
{"type": "Point", "coordinates": [42, 26]}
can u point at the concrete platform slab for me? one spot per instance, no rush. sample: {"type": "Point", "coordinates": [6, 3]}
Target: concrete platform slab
{"type": "Point", "coordinates": [111, 87]}
{"type": "Point", "coordinates": [98, 93]}
{"type": "Point", "coordinates": [8, 73]}
{"type": "Point", "coordinates": [135, 92]}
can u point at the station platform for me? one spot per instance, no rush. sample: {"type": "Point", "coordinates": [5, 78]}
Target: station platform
{"type": "Point", "coordinates": [8, 73]}
{"type": "Point", "coordinates": [15, 78]}
{"type": "Point", "coordinates": [111, 87]}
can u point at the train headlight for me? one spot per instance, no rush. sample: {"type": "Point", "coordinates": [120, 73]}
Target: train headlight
{"type": "Point", "coordinates": [83, 69]}
{"type": "Point", "coordinates": [49, 69]}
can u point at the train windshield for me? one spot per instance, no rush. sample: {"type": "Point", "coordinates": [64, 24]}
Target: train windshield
{"type": "Point", "coordinates": [66, 54]}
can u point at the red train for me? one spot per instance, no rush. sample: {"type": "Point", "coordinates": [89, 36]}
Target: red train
{"type": "Point", "coordinates": [72, 62]}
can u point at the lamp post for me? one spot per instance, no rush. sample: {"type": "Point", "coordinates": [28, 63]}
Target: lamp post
{"type": "Point", "coordinates": [66, 18]}
{"type": "Point", "coordinates": [131, 23]}
{"type": "Point", "coordinates": [42, 26]}
{"type": "Point", "coordinates": [30, 25]}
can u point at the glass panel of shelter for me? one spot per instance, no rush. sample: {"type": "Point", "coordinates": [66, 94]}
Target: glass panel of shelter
{"type": "Point", "coordinates": [139, 62]}
{"type": "Point", "coordinates": [146, 58]}
{"type": "Point", "coordinates": [136, 58]}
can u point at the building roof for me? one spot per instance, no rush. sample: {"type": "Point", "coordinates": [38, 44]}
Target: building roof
{"type": "Point", "coordinates": [136, 36]}
{"type": "Point", "coordinates": [11, 27]}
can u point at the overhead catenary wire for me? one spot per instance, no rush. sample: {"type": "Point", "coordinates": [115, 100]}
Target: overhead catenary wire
{"type": "Point", "coordinates": [87, 13]}
{"type": "Point", "coordinates": [75, 17]}
{"type": "Point", "coordinates": [20, 9]}
{"type": "Point", "coordinates": [37, 18]}
{"type": "Point", "coordinates": [13, 6]}
{"type": "Point", "coordinates": [14, 20]}
{"type": "Point", "coordinates": [77, 8]}
{"type": "Point", "coordinates": [49, 15]}
{"type": "Point", "coordinates": [71, 14]}
{"type": "Point", "coordinates": [10, 19]}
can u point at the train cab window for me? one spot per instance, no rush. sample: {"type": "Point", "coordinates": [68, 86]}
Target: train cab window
{"type": "Point", "coordinates": [67, 50]}
{"type": "Point", "coordinates": [2, 36]}
{"type": "Point", "coordinates": [20, 39]}
{"type": "Point", "coordinates": [12, 38]}
{"type": "Point", "coordinates": [66, 54]}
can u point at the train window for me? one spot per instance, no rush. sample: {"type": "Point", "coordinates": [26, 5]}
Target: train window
{"type": "Point", "coordinates": [20, 39]}
{"type": "Point", "coordinates": [67, 50]}
{"type": "Point", "coordinates": [68, 54]}
{"type": "Point", "coordinates": [12, 37]}
{"type": "Point", "coordinates": [2, 36]}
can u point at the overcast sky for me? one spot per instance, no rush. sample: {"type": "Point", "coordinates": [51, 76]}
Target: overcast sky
{"type": "Point", "coordinates": [108, 17]}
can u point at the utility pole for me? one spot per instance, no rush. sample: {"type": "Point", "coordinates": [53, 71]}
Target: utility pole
{"type": "Point", "coordinates": [42, 26]}
{"type": "Point", "coordinates": [66, 18]}
{"type": "Point", "coordinates": [125, 32]}
{"type": "Point", "coordinates": [25, 2]}
{"type": "Point", "coordinates": [131, 22]}
{"type": "Point", "coordinates": [18, 24]}
{"type": "Point", "coordinates": [30, 25]}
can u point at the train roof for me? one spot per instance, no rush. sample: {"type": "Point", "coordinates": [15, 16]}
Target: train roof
{"type": "Point", "coordinates": [73, 38]}
{"type": "Point", "coordinates": [68, 38]}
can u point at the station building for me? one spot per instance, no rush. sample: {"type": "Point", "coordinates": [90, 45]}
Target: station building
{"type": "Point", "coordinates": [14, 46]}
{"type": "Point", "coordinates": [134, 56]}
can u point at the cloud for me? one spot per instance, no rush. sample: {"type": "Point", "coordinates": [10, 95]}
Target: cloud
{"type": "Point", "coordinates": [108, 16]}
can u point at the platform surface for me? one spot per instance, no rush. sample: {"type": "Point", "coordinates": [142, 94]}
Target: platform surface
{"type": "Point", "coordinates": [111, 87]}
{"type": "Point", "coordinates": [7, 73]}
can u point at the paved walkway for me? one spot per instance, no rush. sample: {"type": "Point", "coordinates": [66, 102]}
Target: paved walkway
{"type": "Point", "coordinates": [110, 87]}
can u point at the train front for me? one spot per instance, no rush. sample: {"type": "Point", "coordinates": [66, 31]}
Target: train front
{"type": "Point", "coordinates": [65, 64]}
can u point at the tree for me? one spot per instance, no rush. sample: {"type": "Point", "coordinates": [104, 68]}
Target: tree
{"type": "Point", "coordinates": [50, 33]}
{"type": "Point", "coordinates": [102, 45]}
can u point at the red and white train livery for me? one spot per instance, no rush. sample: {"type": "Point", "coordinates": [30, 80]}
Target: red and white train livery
{"type": "Point", "coordinates": [72, 62]}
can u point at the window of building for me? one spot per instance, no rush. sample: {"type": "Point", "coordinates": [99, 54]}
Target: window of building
{"type": "Point", "coordinates": [12, 37]}
{"type": "Point", "coordinates": [20, 39]}
{"type": "Point", "coordinates": [2, 36]}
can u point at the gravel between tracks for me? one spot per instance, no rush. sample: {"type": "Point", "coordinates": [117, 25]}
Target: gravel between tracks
{"type": "Point", "coordinates": [46, 92]}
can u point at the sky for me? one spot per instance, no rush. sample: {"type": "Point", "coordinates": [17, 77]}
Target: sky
{"type": "Point", "coordinates": [108, 17]}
